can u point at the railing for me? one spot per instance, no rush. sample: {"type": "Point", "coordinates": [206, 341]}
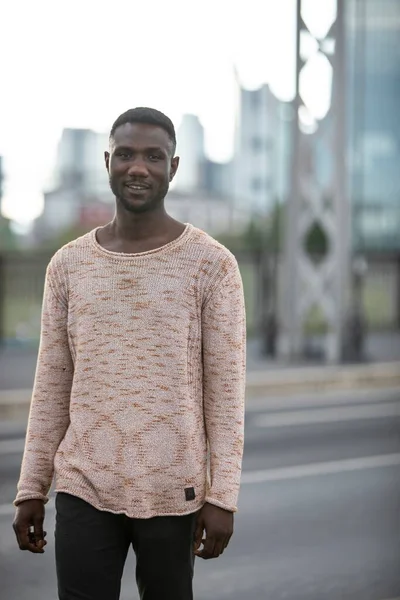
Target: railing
{"type": "Point", "coordinates": [22, 280]}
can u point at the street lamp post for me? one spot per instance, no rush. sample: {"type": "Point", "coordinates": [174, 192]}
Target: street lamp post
{"type": "Point", "coordinates": [357, 324]}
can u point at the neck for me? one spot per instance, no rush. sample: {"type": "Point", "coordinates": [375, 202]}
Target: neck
{"type": "Point", "coordinates": [140, 226]}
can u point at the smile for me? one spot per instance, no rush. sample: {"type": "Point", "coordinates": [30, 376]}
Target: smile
{"type": "Point", "coordinates": [137, 186]}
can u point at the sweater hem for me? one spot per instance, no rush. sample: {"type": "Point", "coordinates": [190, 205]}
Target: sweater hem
{"type": "Point", "coordinates": [149, 515]}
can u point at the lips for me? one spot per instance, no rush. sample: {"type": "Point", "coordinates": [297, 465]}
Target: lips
{"type": "Point", "coordinates": [137, 187]}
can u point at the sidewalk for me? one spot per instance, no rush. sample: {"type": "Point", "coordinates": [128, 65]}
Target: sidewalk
{"type": "Point", "coordinates": [264, 377]}
{"type": "Point", "coordinates": [17, 363]}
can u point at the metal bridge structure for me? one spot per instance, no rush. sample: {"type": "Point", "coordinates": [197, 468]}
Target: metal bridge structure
{"type": "Point", "coordinates": [318, 197]}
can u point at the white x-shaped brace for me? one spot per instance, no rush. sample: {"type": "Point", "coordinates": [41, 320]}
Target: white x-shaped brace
{"type": "Point", "coordinates": [314, 279]}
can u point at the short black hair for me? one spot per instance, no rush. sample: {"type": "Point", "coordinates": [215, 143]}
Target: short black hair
{"type": "Point", "coordinates": [149, 116]}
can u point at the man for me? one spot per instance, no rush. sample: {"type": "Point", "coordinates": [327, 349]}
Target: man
{"type": "Point", "coordinates": [138, 401]}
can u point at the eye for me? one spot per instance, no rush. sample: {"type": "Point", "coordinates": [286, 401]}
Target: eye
{"type": "Point", "coordinates": [123, 155]}
{"type": "Point", "coordinates": [154, 157]}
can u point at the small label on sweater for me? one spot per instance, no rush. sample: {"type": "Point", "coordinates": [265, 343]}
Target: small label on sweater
{"type": "Point", "coordinates": [190, 494]}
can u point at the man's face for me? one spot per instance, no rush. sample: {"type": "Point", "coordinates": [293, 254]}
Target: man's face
{"type": "Point", "coordinates": [140, 166]}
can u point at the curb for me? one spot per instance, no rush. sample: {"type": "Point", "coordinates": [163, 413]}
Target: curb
{"type": "Point", "coordinates": [325, 378]}
{"type": "Point", "coordinates": [280, 382]}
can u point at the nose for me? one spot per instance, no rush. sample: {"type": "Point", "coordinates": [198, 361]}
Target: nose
{"type": "Point", "coordinates": [138, 168]}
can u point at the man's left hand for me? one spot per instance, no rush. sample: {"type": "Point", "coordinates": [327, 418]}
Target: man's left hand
{"type": "Point", "coordinates": [217, 524]}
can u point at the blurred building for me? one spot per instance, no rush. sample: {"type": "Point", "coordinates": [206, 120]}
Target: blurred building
{"type": "Point", "coordinates": [212, 213]}
{"type": "Point", "coordinates": [1, 179]}
{"type": "Point", "coordinates": [190, 146]}
{"type": "Point", "coordinates": [80, 193]}
{"type": "Point", "coordinates": [374, 132]}
{"type": "Point", "coordinates": [258, 174]}
{"type": "Point", "coordinates": [196, 171]}
{"type": "Point", "coordinates": [217, 178]}
{"type": "Point", "coordinates": [262, 149]}
{"type": "Point", "coordinates": [80, 161]}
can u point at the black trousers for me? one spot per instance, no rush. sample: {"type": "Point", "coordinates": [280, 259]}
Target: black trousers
{"type": "Point", "coordinates": [92, 546]}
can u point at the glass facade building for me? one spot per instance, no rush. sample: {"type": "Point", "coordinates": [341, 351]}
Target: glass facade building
{"type": "Point", "coordinates": [373, 50]}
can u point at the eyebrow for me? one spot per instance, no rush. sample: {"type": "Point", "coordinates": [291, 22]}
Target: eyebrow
{"type": "Point", "coordinates": [156, 149]}
{"type": "Point", "coordinates": [132, 148]}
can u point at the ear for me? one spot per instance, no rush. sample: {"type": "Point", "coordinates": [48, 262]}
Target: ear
{"type": "Point", "coordinates": [174, 167]}
{"type": "Point", "coordinates": [107, 159]}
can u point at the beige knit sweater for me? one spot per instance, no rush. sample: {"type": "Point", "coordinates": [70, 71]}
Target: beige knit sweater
{"type": "Point", "coordinates": [138, 401]}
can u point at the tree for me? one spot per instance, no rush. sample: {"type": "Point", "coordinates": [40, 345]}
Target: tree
{"type": "Point", "coordinates": [261, 233]}
{"type": "Point", "coordinates": [63, 237]}
{"type": "Point", "coordinates": [8, 239]}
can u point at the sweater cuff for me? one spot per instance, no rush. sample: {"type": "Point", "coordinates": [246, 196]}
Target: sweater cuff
{"type": "Point", "coordinates": [227, 507]}
{"type": "Point", "coordinates": [30, 496]}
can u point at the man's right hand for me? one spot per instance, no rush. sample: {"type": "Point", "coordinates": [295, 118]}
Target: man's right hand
{"type": "Point", "coordinates": [30, 514]}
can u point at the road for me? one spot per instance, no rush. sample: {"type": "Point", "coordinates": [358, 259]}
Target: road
{"type": "Point", "coordinates": [319, 514]}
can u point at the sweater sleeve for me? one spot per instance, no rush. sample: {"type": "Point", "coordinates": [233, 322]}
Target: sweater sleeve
{"type": "Point", "coordinates": [224, 369]}
{"type": "Point", "coordinates": [49, 410]}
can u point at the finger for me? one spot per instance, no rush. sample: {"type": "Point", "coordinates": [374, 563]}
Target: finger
{"type": "Point", "coordinates": [198, 539]}
{"type": "Point", "coordinates": [207, 551]}
{"type": "Point", "coordinates": [22, 535]}
{"type": "Point", "coordinates": [219, 547]}
{"type": "Point", "coordinates": [196, 549]}
{"type": "Point", "coordinates": [26, 542]}
{"type": "Point", "coordinates": [25, 533]}
{"type": "Point", "coordinates": [227, 540]}
{"type": "Point", "coordinates": [35, 549]}
{"type": "Point", "coordinates": [38, 535]}
{"type": "Point", "coordinates": [36, 544]}
{"type": "Point", "coordinates": [220, 544]}
{"type": "Point", "coordinates": [20, 539]}
{"type": "Point", "coordinates": [198, 534]}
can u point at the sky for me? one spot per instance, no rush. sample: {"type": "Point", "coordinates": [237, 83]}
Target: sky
{"type": "Point", "coordinates": [82, 63]}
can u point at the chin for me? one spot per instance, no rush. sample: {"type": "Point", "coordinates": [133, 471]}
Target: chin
{"type": "Point", "coordinates": [139, 205]}
{"type": "Point", "coordinates": [138, 210]}
{"type": "Point", "coordinates": [136, 207]}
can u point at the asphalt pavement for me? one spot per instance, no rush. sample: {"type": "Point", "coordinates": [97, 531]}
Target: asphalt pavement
{"type": "Point", "coordinates": [319, 510]}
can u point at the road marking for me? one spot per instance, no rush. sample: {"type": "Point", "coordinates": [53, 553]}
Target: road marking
{"type": "Point", "coordinates": [327, 415]}
{"type": "Point", "coordinates": [322, 468]}
{"type": "Point", "coordinates": [284, 473]}
{"type": "Point", "coordinates": [282, 419]}
{"type": "Point", "coordinates": [321, 400]}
